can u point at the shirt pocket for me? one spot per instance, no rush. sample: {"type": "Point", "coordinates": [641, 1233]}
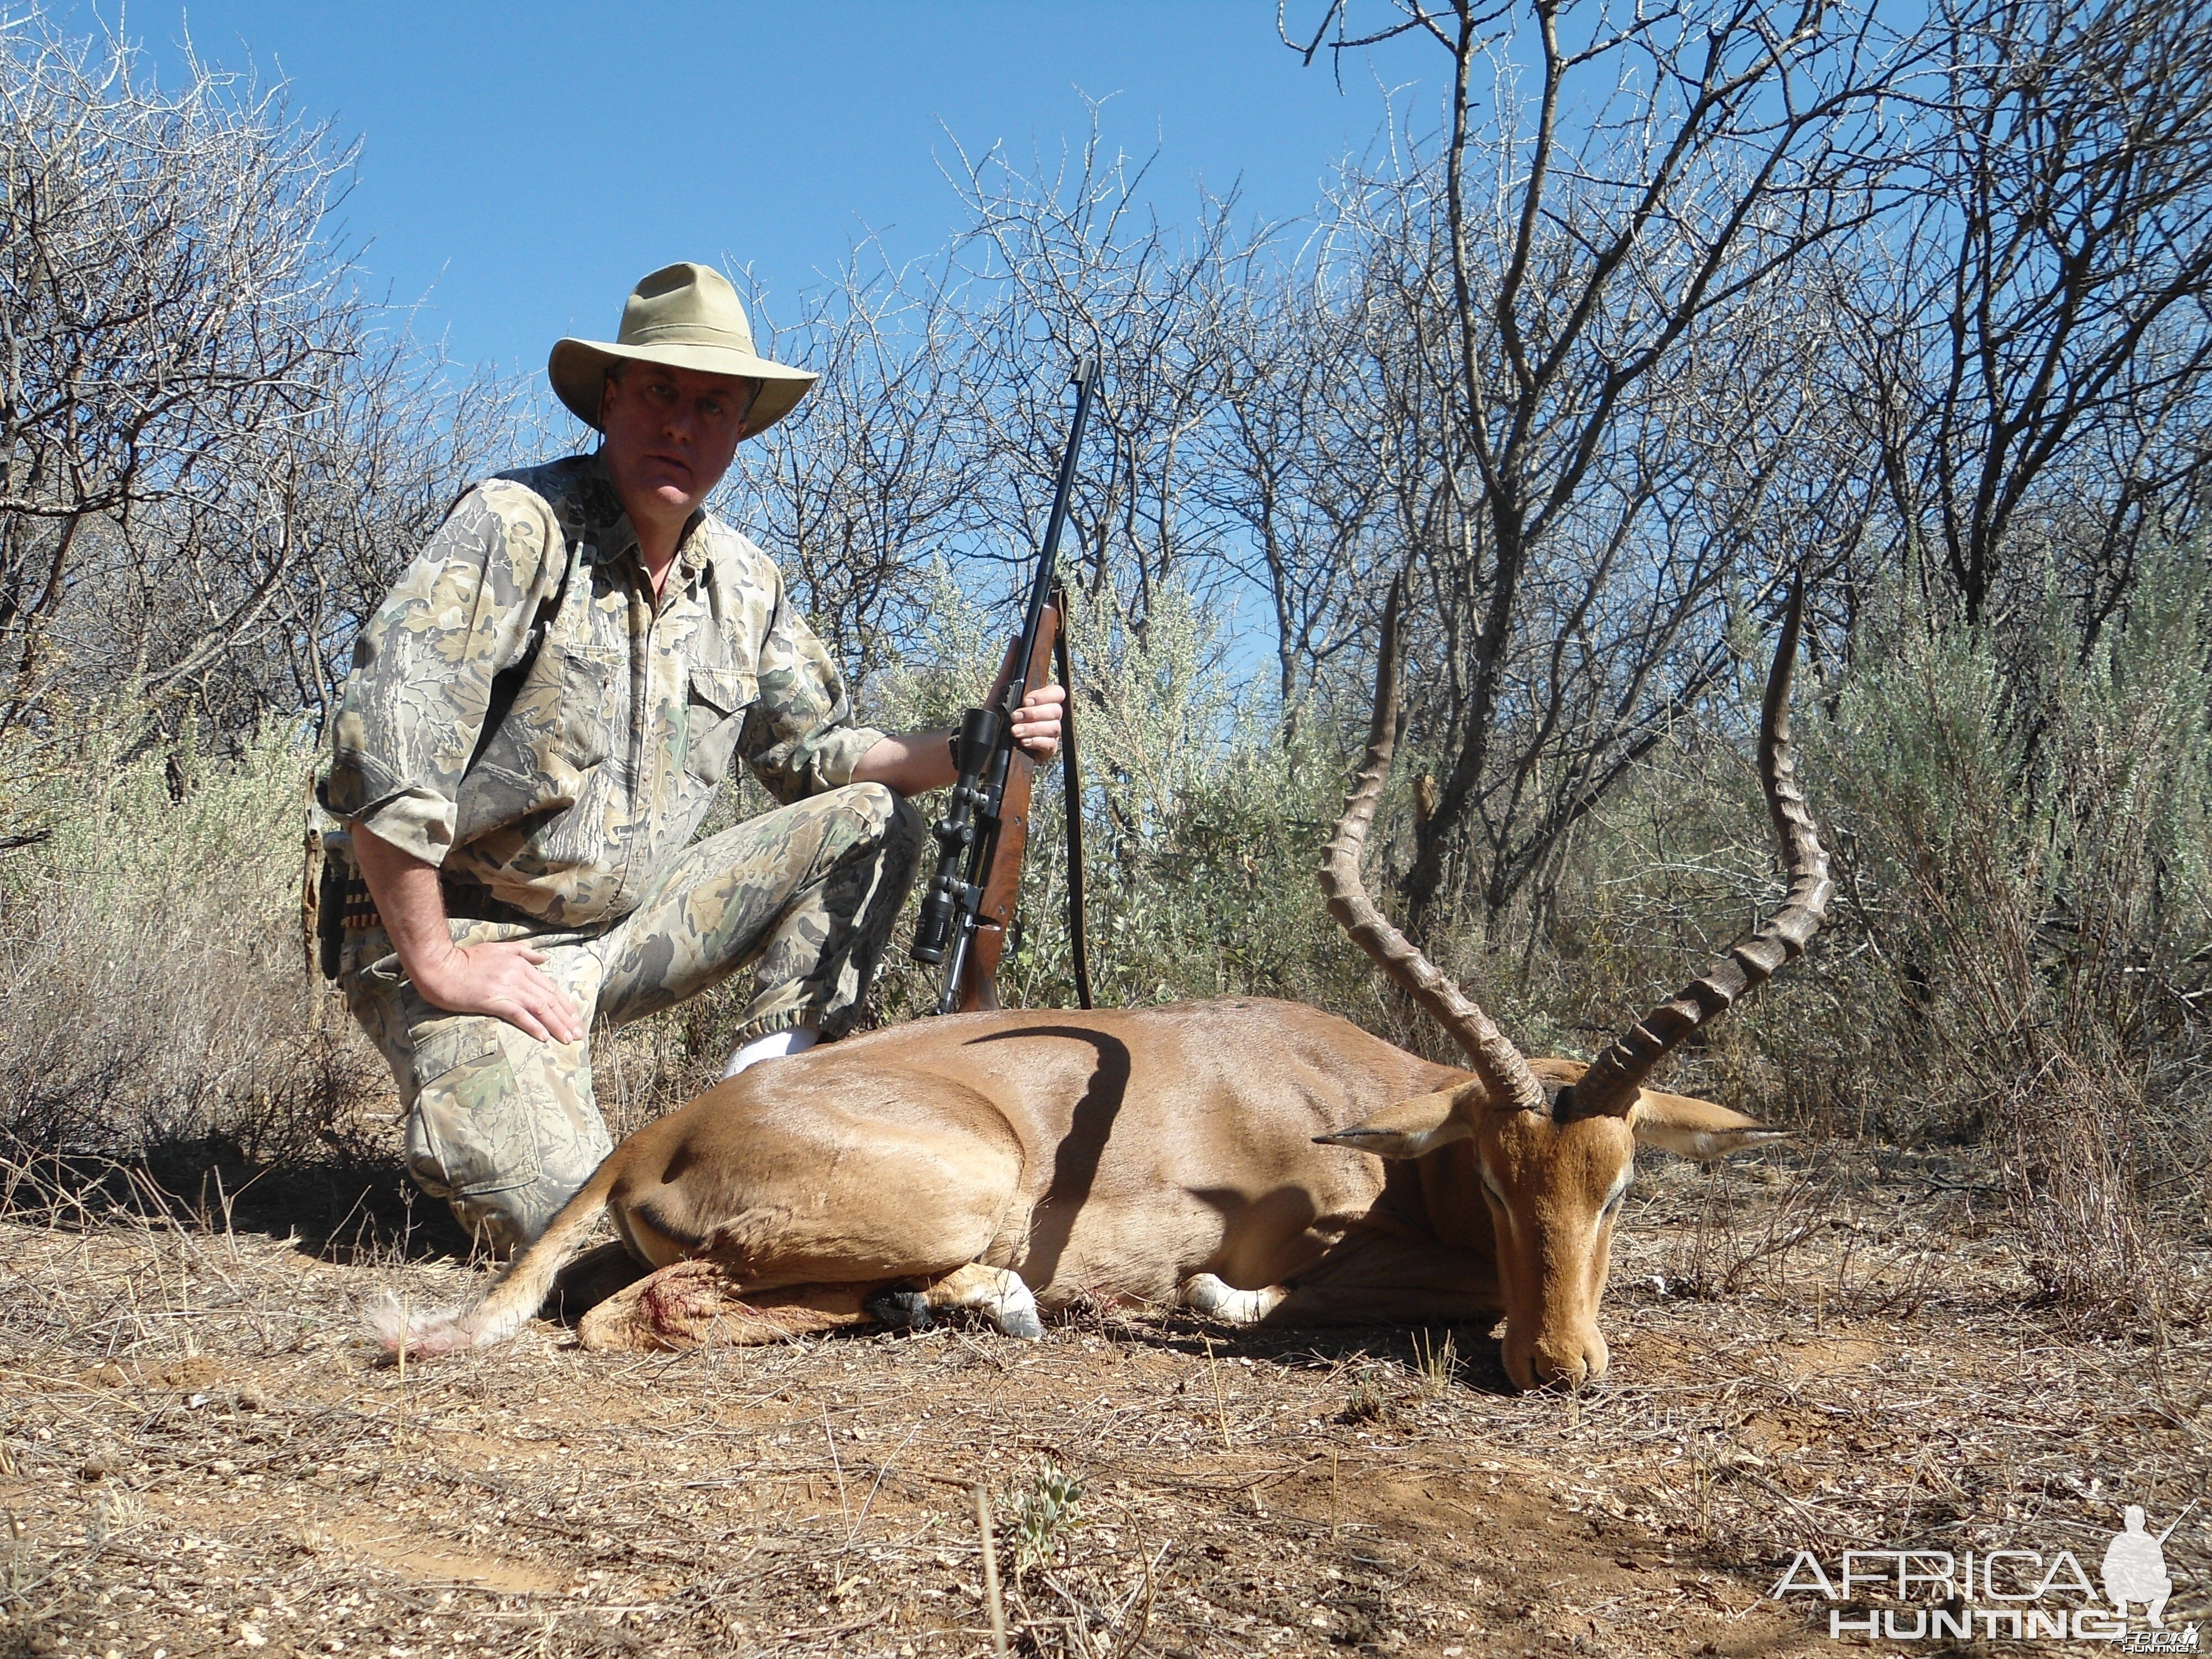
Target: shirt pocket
{"type": "Point", "coordinates": [715, 715]}
{"type": "Point", "coordinates": [587, 710]}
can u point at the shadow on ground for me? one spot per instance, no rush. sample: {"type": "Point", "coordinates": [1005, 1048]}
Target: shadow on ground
{"type": "Point", "coordinates": [1467, 1356]}
{"type": "Point", "coordinates": [349, 1202]}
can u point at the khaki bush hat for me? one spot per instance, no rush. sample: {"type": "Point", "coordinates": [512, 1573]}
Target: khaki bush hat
{"type": "Point", "coordinates": [686, 316]}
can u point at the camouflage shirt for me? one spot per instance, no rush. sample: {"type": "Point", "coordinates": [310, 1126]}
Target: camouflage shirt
{"type": "Point", "coordinates": [523, 712]}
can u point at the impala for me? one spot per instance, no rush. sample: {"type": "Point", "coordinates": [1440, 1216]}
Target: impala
{"type": "Point", "coordinates": [1261, 1162]}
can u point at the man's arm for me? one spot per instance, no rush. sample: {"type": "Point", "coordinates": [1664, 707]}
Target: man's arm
{"type": "Point", "coordinates": [912, 761]}
{"type": "Point", "coordinates": [498, 978]}
{"type": "Point", "coordinates": [414, 707]}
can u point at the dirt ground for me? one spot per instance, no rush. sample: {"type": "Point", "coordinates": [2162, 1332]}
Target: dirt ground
{"type": "Point", "coordinates": [200, 1453]}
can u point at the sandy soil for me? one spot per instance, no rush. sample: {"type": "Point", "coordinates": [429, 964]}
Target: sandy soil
{"type": "Point", "coordinates": [199, 1453]}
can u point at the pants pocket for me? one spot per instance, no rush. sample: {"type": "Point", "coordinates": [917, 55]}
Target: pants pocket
{"type": "Point", "coordinates": [470, 1132]}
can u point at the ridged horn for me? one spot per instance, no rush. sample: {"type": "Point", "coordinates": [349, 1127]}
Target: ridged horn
{"type": "Point", "coordinates": [1503, 1073]}
{"type": "Point", "coordinates": [1609, 1087]}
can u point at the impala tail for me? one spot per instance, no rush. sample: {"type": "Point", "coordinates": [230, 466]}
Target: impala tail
{"type": "Point", "coordinates": [515, 1296]}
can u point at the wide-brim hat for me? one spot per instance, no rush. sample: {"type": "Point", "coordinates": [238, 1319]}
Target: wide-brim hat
{"type": "Point", "coordinates": [686, 316]}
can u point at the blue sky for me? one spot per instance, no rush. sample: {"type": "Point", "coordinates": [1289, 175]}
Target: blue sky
{"type": "Point", "coordinates": [522, 166]}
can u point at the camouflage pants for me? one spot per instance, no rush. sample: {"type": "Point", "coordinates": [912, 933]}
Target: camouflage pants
{"type": "Point", "coordinates": [504, 1127]}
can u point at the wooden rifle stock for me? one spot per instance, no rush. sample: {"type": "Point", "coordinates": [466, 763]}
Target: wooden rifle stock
{"type": "Point", "coordinates": [1002, 877]}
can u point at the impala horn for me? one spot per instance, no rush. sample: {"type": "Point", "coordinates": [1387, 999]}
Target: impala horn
{"type": "Point", "coordinates": [1496, 1061]}
{"type": "Point", "coordinates": [1608, 1089]}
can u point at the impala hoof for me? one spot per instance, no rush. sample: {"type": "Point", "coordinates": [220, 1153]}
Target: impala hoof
{"type": "Point", "coordinates": [906, 1310]}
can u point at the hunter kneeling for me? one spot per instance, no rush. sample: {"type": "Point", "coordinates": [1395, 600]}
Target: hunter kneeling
{"type": "Point", "coordinates": [539, 717]}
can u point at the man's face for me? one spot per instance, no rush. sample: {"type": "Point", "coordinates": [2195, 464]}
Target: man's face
{"type": "Point", "coordinates": [669, 436]}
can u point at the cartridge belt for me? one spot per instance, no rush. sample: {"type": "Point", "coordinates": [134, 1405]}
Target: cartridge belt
{"type": "Point", "coordinates": [465, 901]}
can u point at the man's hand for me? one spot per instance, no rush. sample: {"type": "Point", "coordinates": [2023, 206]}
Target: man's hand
{"type": "Point", "coordinates": [501, 980]}
{"type": "Point", "coordinates": [914, 761]}
{"type": "Point", "coordinates": [1037, 722]}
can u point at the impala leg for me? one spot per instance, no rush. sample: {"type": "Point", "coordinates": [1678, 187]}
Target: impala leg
{"type": "Point", "coordinates": [1369, 1279]}
{"type": "Point", "coordinates": [1330, 1304]}
{"type": "Point", "coordinates": [591, 1279]}
{"type": "Point", "coordinates": [996, 1292]}
{"type": "Point", "coordinates": [1216, 1298]}
{"type": "Point", "coordinates": [700, 1304]}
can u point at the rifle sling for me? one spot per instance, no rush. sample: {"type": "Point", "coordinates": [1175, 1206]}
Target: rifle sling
{"type": "Point", "coordinates": [1070, 793]}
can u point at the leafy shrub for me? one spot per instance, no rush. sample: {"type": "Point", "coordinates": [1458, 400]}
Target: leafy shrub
{"type": "Point", "coordinates": [2029, 866]}
{"type": "Point", "coordinates": [155, 987]}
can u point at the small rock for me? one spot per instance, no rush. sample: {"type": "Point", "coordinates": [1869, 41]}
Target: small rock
{"type": "Point", "coordinates": [223, 1466]}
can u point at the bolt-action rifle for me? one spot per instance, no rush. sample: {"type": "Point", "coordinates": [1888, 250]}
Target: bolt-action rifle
{"type": "Point", "coordinates": [981, 840]}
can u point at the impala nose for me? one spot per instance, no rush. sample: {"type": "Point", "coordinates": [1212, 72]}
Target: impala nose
{"type": "Point", "coordinates": [1566, 1361]}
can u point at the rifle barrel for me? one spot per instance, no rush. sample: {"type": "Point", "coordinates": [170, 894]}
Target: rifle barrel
{"type": "Point", "coordinates": [2176, 1520]}
{"type": "Point", "coordinates": [1087, 377]}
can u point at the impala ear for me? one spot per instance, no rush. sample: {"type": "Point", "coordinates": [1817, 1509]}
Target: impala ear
{"type": "Point", "coordinates": [1408, 1129]}
{"type": "Point", "coordinates": [1695, 1129]}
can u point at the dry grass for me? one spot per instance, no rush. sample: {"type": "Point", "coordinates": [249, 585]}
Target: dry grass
{"type": "Point", "coordinates": [199, 1453]}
